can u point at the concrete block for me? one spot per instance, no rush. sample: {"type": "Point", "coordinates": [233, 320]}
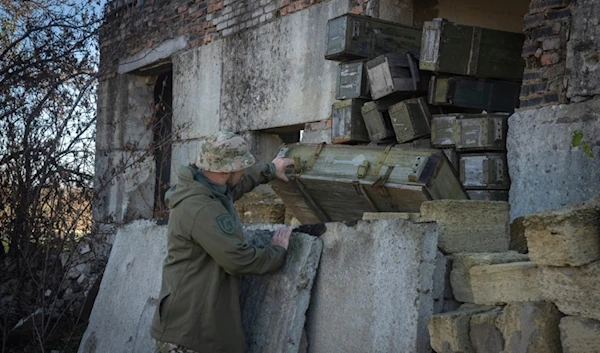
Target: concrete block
{"type": "Point", "coordinates": [449, 332]}
{"type": "Point", "coordinates": [441, 282]}
{"type": "Point", "coordinates": [569, 236]}
{"type": "Point", "coordinates": [125, 182]}
{"type": "Point", "coordinates": [124, 113]}
{"type": "Point", "coordinates": [152, 55]}
{"type": "Point", "coordinates": [126, 302]}
{"type": "Point", "coordinates": [550, 173]}
{"type": "Point", "coordinates": [274, 306]}
{"type": "Point", "coordinates": [265, 82]}
{"type": "Point", "coordinates": [579, 335]}
{"type": "Point", "coordinates": [505, 283]}
{"type": "Point", "coordinates": [574, 290]}
{"type": "Point", "coordinates": [530, 327]}
{"type": "Point", "coordinates": [374, 288]}
{"type": "Point", "coordinates": [518, 242]}
{"type": "Point", "coordinates": [484, 334]}
{"type": "Point", "coordinates": [196, 91]}
{"type": "Point", "coordinates": [371, 216]}
{"type": "Point", "coordinates": [460, 277]}
{"type": "Point", "coordinates": [183, 153]}
{"type": "Point", "coordinates": [469, 226]}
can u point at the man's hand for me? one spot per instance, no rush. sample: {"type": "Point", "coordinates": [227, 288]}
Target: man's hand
{"type": "Point", "coordinates": [282, 237]}
{"type": "Point", "coordinates": [280, 164]}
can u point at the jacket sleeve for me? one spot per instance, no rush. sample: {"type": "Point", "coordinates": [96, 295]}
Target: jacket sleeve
{"type": "Point", "coordinates": [253, 176]}
{"type": "Point", "coordinates": [214, 229]}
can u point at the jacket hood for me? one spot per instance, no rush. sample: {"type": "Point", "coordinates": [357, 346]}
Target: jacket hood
{"type": "Point", "coordinates": [191, 182]}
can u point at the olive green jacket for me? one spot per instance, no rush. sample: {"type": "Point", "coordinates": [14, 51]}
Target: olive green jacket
{"type": "Point", "coordinates": [198, 306]}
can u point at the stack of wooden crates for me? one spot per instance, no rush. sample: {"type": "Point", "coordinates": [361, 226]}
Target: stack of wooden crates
{"type": "Point", "coordinates": [445, 86]}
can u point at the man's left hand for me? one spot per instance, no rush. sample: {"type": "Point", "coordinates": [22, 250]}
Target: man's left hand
{"type": "Point", "coordinates": [280, 164]}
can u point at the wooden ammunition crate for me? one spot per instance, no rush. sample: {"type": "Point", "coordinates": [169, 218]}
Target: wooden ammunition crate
{"type": "Point", "coordinates": [339, 182]}
{"type": "Point", "coordinates": [452, 156]}
{"type": "Point", "coordinates": [360, 37]}
{"type": "Point", "coordinates": [377, 121]}
{"type": "Point", "coordinates": [422, 143]}
{"type": "Point", "coordinates": [484, 171]}
{"type": "Point", "coordinates": [472, 51]}
{"type": "Point", "coordinates": [347, 124]}
{"type": "Point", "coordinates": [488, 195]}
{"type": "Point", "coordinates": [468, 92]}
{"type": "Point", "coordinates": [352, 81]}
{"type": "Point", "coordinates": [442, 130]}
{"type": "Point", "coordinates": [395, 73]}
{"type": "Point", "coordinates": [411, 119]}
{"type": "Point", "coordinates": [481, 132]}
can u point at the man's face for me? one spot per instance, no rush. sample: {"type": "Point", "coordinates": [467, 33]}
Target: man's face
{"type": "Point", "coordinates": [234, 178]}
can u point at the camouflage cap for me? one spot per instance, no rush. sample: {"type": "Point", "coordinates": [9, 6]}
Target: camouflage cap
{"type": "Point", "coordinates": [224, 152]}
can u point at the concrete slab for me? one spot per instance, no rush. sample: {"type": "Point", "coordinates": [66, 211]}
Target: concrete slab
{"type": "Point", "coordinates": [374, 288]}
{"type": "Point", "coordinates": [123, 311]}
{"type": "Point", "coordinates": [468, 225]}
{"type": "Point", "coordinates": [274, 306]}
{"type": "Point", "coordinates": [548, 173]}
{"type": "Point", "coordinates": [276, 75]}
{"type": "Point", "coordinates": [485, 335]}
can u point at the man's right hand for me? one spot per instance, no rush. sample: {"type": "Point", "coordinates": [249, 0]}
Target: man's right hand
{"type": "Point", "coordinates": [282, 237]}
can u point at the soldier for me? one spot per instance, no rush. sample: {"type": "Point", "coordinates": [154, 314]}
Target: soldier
{"type": "Point", "coordinates": [198, 307]}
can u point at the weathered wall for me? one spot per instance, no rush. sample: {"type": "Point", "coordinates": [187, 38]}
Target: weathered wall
{"type": "Point", "coordinates": [124, 166]}
{"type": "Point", "coordinates": [546, 170]}
{"type": "Point", "coordinates": [502, 15]}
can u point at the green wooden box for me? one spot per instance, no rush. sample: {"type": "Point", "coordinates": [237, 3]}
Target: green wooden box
{"type": "Point", "coordinates": [395, 73]}
{"type": "Point", "coordinates": [340, 183]}
{"type": "Point", "coordinates": [377, 121]}
{"type": "Point", "coordinates": [442, 130]}
{"type": "Point", "coordinates": [468, 92]}
{"type": "Point", "coordinates": [481, 132]}
{"type": "Point", "coordinates": [411, 119]}
{"type": "Point", "coordinates": [347, 124]}
{"type": "Point", "coordinates": [352, 81]}
{"type": "Point", "coordinates": [360, 37]}
{"type": "Point", "coordinates": [484, 171]}
{"type": "Point", "coordinates": [422, 143]}
{"type": "Point", "coordinates": [472, 51]}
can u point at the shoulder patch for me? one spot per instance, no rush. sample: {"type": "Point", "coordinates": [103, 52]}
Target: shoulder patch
{"type": "Point", "coordinates": [225, 222]}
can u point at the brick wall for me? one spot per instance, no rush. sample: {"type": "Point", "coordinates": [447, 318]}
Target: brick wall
{"type": "Point", "coordinates": [546, 27]}
{"type": "Point", "coordinates": [133, 26]}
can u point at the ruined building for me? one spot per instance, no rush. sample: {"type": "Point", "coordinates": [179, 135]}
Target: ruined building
{"type": "Point", "coordinates": [175, 71]}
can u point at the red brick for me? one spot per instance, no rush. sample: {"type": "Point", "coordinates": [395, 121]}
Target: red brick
{"type": "Point", "coordinates": [549, 59]}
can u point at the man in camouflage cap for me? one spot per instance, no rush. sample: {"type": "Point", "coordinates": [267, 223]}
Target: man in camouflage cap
{"type": "Point", "coordinates": [198, 307]}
